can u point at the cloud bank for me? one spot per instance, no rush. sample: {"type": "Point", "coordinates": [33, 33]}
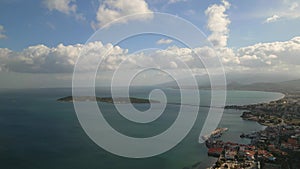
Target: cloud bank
{"type": "Point", "coordinates": [271, 57]}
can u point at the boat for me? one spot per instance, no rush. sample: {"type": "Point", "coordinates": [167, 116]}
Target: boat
{"type": "Point", "coordinates": [217, 133]}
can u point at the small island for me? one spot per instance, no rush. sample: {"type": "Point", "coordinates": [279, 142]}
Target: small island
{"type": "Point", "coordinates": [117, 100]}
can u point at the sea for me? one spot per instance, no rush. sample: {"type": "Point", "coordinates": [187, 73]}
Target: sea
{"type": "Point", "coordinates": [38, 132]}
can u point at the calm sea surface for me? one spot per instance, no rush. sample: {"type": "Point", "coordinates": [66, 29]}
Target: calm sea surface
{"type": "Point", "coordinates": [37, 132]}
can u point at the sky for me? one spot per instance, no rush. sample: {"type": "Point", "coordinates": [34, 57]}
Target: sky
{"type": "Point", "coordinates": [40, 41]}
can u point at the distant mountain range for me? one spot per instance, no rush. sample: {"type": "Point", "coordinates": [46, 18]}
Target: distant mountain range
{"type": "Point", "coordinates": [203, 83]}
{"type": "Point", "coordinates": [286, 86]}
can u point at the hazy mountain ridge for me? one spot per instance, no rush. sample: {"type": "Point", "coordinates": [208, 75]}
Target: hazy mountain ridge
{"type": "Point", "coordinates": [284, 86]}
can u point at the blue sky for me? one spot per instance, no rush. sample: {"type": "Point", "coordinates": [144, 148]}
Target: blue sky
{"type": "Point", "coordinates": [244, 27]}
{"type": "Point", "coordinates": [30, 22]}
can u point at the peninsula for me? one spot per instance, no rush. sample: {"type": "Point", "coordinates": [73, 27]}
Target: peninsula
{"type": "Point", "coordinates": [278, 145]}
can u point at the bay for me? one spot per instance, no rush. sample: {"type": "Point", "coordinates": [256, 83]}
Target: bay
{"type": "Point", "coordinates": [37, 132]}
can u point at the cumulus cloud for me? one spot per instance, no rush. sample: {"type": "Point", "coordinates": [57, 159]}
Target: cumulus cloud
{"type": "Point", "coordinates": [218, 23]}
{"type": "Point", "coordinates": [276, 57]}
{"type": "Point", "coordinates": [271, 54]}
{"type": "Point", "coordinates": [164, 41]}
{"type": "Point", "coordinates": [2, 31]}
{"type": "Point", "coordinates": [64, 6]}
{"type": "Point", "coordinates": [40, 59]}
{"type": "Point", "coordinates": [62, 59]}
{"type": "Point", "coordinates": [112, 10]}
{"type": "Point", "coordinates": [228, 56]}
{"type": "Point", "coordinates": [4, 53]}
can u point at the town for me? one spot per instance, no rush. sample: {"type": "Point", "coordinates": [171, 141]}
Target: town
{"type": "Point", "coordinates": [275, 147]}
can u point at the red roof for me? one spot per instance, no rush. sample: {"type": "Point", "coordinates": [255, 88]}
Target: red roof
{"type": "Point", "coordinates": [230, 143]}
{"type": "Point", "coordinates": [292, 141]}
{"type": "Point", "coordinates": [215, 150]}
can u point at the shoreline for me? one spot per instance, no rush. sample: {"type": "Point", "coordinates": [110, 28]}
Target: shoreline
{"type": "Point", "coordinates": [266, 113]}
{"type": "Point", "coordinates": [236, 113]}
{"type": "Point", "coordinates": [275, 116]}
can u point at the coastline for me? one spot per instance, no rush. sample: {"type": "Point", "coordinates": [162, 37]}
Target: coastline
{"type": "Point", "coordinates": [234, 131]}
{"type": "Point", "coordinates": [284, 95]}
{"type": "Point", "coordinates": [260, 111]}
{"type": "Point", "coordinates": [272, 115]}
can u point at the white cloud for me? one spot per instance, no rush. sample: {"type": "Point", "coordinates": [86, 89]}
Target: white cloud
{"type": "Point", "coordinates": [112, 10]}
{"type": "Point", "coordinates": [190, 12]}
{"type": "Point", "coordinates": [2, 30]}
{"type": "Point", "coordinates": [60, 59]}
{"type": "Point", "coordinates": [276, 57]}
{"type": "Point", "coordinates": [4, 53]}
{"type": "Point", "coordinates": [228, 56]}
{"type": "Point", "coordinates": [291, 10]}
{"type": "Point", "coordinates": [176, 1]}
{"type": "Point", "coordinates": [272, 19]}
{"type": "Point", "coordinates": [294, 6]}
{"type": "Point", "coordinates": [64, 6]}
{"type": "Point", "coordinates": [272, 54]}
{"type": "Point", "coordinates": [288, 10]}
{"type": "Point", "coordinates": [164, 41]}
{"type": "Point", "coordinates": [218, 23]}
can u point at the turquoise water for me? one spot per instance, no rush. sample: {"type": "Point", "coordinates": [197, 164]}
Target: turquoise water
{"type": "Point", "coordinates": [37, 132]}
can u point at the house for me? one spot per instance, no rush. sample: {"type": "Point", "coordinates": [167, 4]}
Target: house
{"type": "Point", "coordinates": [215, 152]}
